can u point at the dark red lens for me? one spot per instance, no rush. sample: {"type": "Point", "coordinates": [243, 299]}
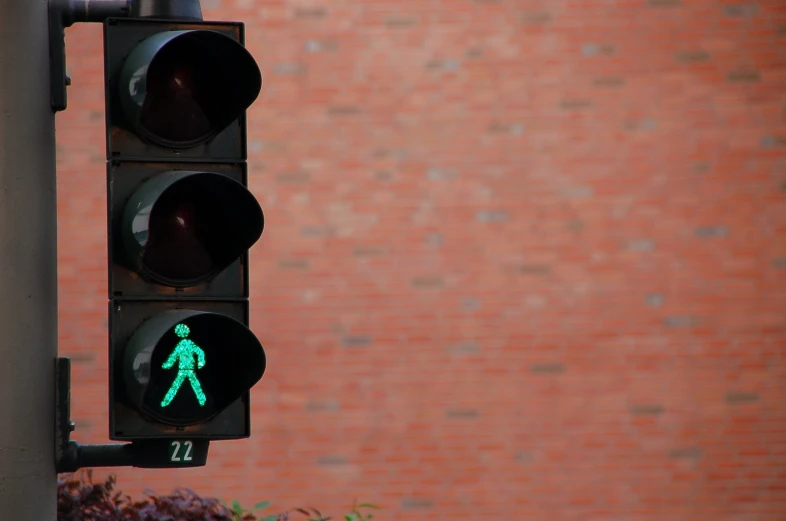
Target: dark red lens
{"type": "Point", "coordinates": [178, 96]}
{"type": "Point", "coordinates": [185, 237]}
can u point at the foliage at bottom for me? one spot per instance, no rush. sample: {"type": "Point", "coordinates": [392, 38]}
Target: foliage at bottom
{"type": "Point", "coordinates": [80, 499]}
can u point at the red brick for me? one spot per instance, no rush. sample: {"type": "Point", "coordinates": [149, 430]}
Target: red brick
{"type": "Point", "coordinates": [515, 257]}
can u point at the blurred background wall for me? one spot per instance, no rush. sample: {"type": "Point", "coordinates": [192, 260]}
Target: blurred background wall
{"type": "Point", "coordinates": [523, 259]}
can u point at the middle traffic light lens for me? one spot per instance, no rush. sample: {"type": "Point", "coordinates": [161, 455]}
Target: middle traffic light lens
{"type": "Point", "coordinates": [185, 234]}
{"type": "Point", "coordinates": [182, 228]}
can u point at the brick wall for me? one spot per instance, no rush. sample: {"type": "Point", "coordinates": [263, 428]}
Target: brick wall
{"type": "Point", "coordinates": [523, 260]}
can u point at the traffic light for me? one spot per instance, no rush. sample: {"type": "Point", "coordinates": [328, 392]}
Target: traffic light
{"type": "Point", "coordinates": [181, 220]}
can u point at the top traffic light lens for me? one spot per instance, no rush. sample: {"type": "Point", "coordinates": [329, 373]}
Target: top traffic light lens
{"type": "Point", "coordinates": [179, 97]}
{"type": "Point", "coordinates": [182, 88]}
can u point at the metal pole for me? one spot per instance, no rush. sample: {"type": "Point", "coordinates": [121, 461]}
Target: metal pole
{"type": "Point", "coordinates": [28, 265]}
{"type": "Point", "coordinates": [170, 9]}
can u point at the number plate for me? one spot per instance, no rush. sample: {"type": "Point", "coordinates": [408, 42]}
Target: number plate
{"type": "Point", "coordinates": [171, 453]}
{"type": "Point", "coordinates": [181, 451]}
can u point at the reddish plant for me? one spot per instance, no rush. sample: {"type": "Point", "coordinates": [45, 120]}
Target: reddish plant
{"type": "Point", "coordinates": [80, 499]}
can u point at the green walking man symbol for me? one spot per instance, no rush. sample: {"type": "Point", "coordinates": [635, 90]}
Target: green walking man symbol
{"type": "Point", "coordinates": [183, 355]}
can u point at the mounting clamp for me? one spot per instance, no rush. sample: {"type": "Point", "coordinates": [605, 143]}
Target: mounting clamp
{"type": "Point", "coordinates": [71, 456]}
{"type": "Point", "coordinates": [65, 13]}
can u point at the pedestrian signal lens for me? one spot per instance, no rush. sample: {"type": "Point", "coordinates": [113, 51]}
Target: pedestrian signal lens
{"type": "Point", "coordinates": [182, 228]}
{"type": "Point", "coordinates": [187, 365]}
{"type": "Point", "coordinates": [184, 357]}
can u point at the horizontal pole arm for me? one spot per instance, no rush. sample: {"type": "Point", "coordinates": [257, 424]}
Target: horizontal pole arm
{"type": "Point", "coordinates": [77, 456]}
{"type": "Point", "coordinates": [97, 10]}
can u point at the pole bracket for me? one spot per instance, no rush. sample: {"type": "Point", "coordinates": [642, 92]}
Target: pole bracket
{"type": "Point", "coordinates": [71, 456]}
{"type": "Point", "coordinates": [65, 13]}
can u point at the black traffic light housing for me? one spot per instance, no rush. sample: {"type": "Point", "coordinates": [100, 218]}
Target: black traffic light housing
{"type": "Point", "coordinates": [181, 220]}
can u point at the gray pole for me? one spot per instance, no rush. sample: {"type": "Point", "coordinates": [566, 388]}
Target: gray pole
{"type": "Point", "coordinates": [171, 9]}
{"type": "Point", "coordinates": [28, 265]}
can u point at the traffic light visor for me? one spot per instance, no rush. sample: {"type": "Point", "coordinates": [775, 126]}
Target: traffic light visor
{"type": "Point", "coordinates": [181, 88]}
{"type": "Point", "coordinates": [181, 228]}
{"type": "Point", "coordinates": [183, 367]}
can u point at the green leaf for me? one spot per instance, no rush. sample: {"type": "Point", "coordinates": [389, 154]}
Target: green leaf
{"type": "Point", "coordinates": [350, 517]}
{"type": "Point", "coordinates": [236, 506]}
{"type": "Point", "coordinates": [261, 505]}
{"type": "Point", "coordinates": [369, 505]}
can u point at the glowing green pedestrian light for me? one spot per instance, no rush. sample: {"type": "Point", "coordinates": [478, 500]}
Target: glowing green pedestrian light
{"type": "Point", "coordinates": [183, 355]}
